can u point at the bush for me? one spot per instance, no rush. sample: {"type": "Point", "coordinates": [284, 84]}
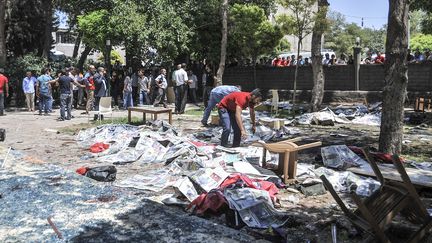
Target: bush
{"type": "Point", "coordinates": [16, 69]}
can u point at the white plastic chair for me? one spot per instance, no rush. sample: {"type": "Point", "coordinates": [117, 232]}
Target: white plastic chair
{"type": "Point", "coordinates": [104, 109]}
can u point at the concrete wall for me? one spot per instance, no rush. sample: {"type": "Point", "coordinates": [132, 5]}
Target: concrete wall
{"type": "Point", "coordinates": [337, 78]}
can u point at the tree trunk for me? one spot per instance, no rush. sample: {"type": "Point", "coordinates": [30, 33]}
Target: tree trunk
{"type": "Point", "coordinates": [2, 33]}
{"type": "Point", "coordinates": [83, 57]}
{"type": "Point", "coordinates": [221, 68]}
{"type": "Point", "coordinates": [48, 10]}
{"type": "Point", "coordinates": [396, 78]}
{"type": "Point", "coordinates": [254, 72]}
{"type": "Point", "coordinates": [296, 74]}
{"type": "Point", "coordinates": [77, 45]}
{"type": "Point", "coordinates": [317, 67]}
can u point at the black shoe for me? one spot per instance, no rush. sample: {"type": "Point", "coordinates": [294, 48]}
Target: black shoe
{"type": "Point", "coordinates": [71, 117]}
{"type": "Point", "coordinates": [60, 119]}
{"type": "Point", "coordinates": [165, 105]}
{"type": "Point", "coordinates": [67, 118]}
{"type": "Point", "coordinates": [204, 124]}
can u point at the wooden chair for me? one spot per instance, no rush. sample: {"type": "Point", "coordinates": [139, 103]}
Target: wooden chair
{"type": "Point", "coordinates": [375, 213]}
{"type": "Point", "coordinates": [288, 153]}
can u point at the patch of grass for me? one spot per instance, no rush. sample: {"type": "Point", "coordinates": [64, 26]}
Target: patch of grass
{"type": "Point", "coordinates": [195, 112]}
{"type": "Point", "coordinates": [74, 129]}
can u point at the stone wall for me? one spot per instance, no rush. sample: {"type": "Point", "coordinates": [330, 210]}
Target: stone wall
{"type": "Point", "coordinates": [338, 78]}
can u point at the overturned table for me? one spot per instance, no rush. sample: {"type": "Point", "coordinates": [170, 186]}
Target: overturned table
{"type": "Point", "coordinates": [151, 110]}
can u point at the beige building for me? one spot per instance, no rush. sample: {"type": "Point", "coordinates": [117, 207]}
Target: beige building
{"type": "Point", "coordinates": [64, 41]}
{"type": "Point", "coordinates": [293, 40]}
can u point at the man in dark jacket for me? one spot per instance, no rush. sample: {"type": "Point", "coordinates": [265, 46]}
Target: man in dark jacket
{"type": "Point", "coordinates": [100, 88]}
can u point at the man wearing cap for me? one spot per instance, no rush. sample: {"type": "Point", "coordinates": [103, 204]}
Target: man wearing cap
{"type": "Point", "coordinates": [230, 110]}
{"type": "Point", "coordinates": [3, 85]}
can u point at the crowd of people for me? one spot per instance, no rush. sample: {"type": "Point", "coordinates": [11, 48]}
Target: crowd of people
{"type": "Point", "coordinates": [71, 88]}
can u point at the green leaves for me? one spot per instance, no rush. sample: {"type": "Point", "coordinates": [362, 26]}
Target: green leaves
{"type": "Point", "coordinates": [251, 34]}
{"type": "Point", "coordinates": [421, 42]}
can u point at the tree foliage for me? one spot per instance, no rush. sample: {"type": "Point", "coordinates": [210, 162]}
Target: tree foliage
{"type": "Point", "coordinates": [251, 34]}
{"type": "Point", "coordinates": [25, 27]}
{"type": "Point", "coordinates": [341, 36]}
{"type": "Point", "coordinates": [421, 42]}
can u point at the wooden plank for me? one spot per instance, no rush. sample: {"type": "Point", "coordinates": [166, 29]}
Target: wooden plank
{"type": "Point", "coordinates": [418, 177]}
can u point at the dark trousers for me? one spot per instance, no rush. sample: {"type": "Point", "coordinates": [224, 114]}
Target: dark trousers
{"type": "Point", "coordinates": [135, 94]}
{"type": "Point", "coordinates": [96, 107]}
{"type": "Point", "coordinates": [75, 99]}
{"type": "Point", "coordinates": [192, 95]}
{"type": "Point", "coordinates": [116, 94]}
{"type": "Point", "coordinates": [159, 96]}
{"type": "Point", "coordinates": [228, 121]}
{"type": "Point", "coordinates": [65, 106]}
{"type": "Point", "coordinates": [181, 98]}
{"type": "Point", "coordinates": [1, 104]}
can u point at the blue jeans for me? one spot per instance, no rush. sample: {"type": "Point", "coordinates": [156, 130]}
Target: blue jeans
{"type": "Point", "coordinates": [65, 106]}
{"type": "Point", "coordinates": [127, 100]}
{"type": "Point", "coordinates": [44, 104]}
{"type": "Point", "coordinates": [212, 102]}
{"type": "Point", "coordinates": [144, 98]}
{"type": "Point", "coordinates": [50, 103]}
{"type": "Point", "coordinates": [227, 118]}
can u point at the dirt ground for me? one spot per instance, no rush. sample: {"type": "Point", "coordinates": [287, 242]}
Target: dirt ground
{"type": "Point", "coordinates": [47, 140]}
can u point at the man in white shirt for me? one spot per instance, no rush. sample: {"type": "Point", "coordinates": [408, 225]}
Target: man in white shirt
{"type": "Point", "coordinates": [181, 81]}
{"type": "Point", "coordinates": [160, 89]}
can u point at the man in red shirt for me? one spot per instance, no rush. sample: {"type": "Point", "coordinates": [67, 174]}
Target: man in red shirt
{"type": "Point", "coordinates": [230, 109]}
{"type": "Point", "coordinates": [3, 85]}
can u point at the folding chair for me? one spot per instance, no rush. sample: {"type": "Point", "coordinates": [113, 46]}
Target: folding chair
{"type": "Point", "coordinates": [104, 109]}
{"type": "Point", "coordinates": [375, 213]}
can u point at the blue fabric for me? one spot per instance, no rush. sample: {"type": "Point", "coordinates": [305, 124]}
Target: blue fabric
{"type": "Point", "coordinates": [216, 95]}
{"type": "Point", "coordinates": [228, 121]}
{"type": "Point", "coordinates": [223, 90]}
{"type": "Point", "coordinates": [212, 102]}
{"type": "Point", "coordinates": [127, 100]}
{"type": "Point", "coordinates": [29, 85]}
{"type": "Point", "coordinates": [144, 98]}
{"type": "Point", "coordinates": [43, 83]}
{"type": "Point", "coordinates": [44, 100]}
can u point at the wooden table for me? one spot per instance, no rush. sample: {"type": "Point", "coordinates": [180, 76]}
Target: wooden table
{"type": "Point", "coordinates": [152, 110]}
{"type": "Point", "coordinates": [287, 151]}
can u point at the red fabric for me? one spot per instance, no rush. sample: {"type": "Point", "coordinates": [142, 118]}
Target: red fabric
{"type": "Point", "coordinates": [382, 157]}
{"type": "Point", "coordinates": [99, 147]}
{"type": "Point", "coordinates": [231, 101]}
{"type": "Point", "coordinates": [214, 201]}
{"type": "Point", "coordinates": [82, 170]}
{"type": "Point", "coordinates": [3, 81]}
{"type": "Point", "coordinates": [252, 183]}
{"type": "Point", "coordinates": [198, 143]}
{"type": "Point", "coordinates": [91, 85]}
